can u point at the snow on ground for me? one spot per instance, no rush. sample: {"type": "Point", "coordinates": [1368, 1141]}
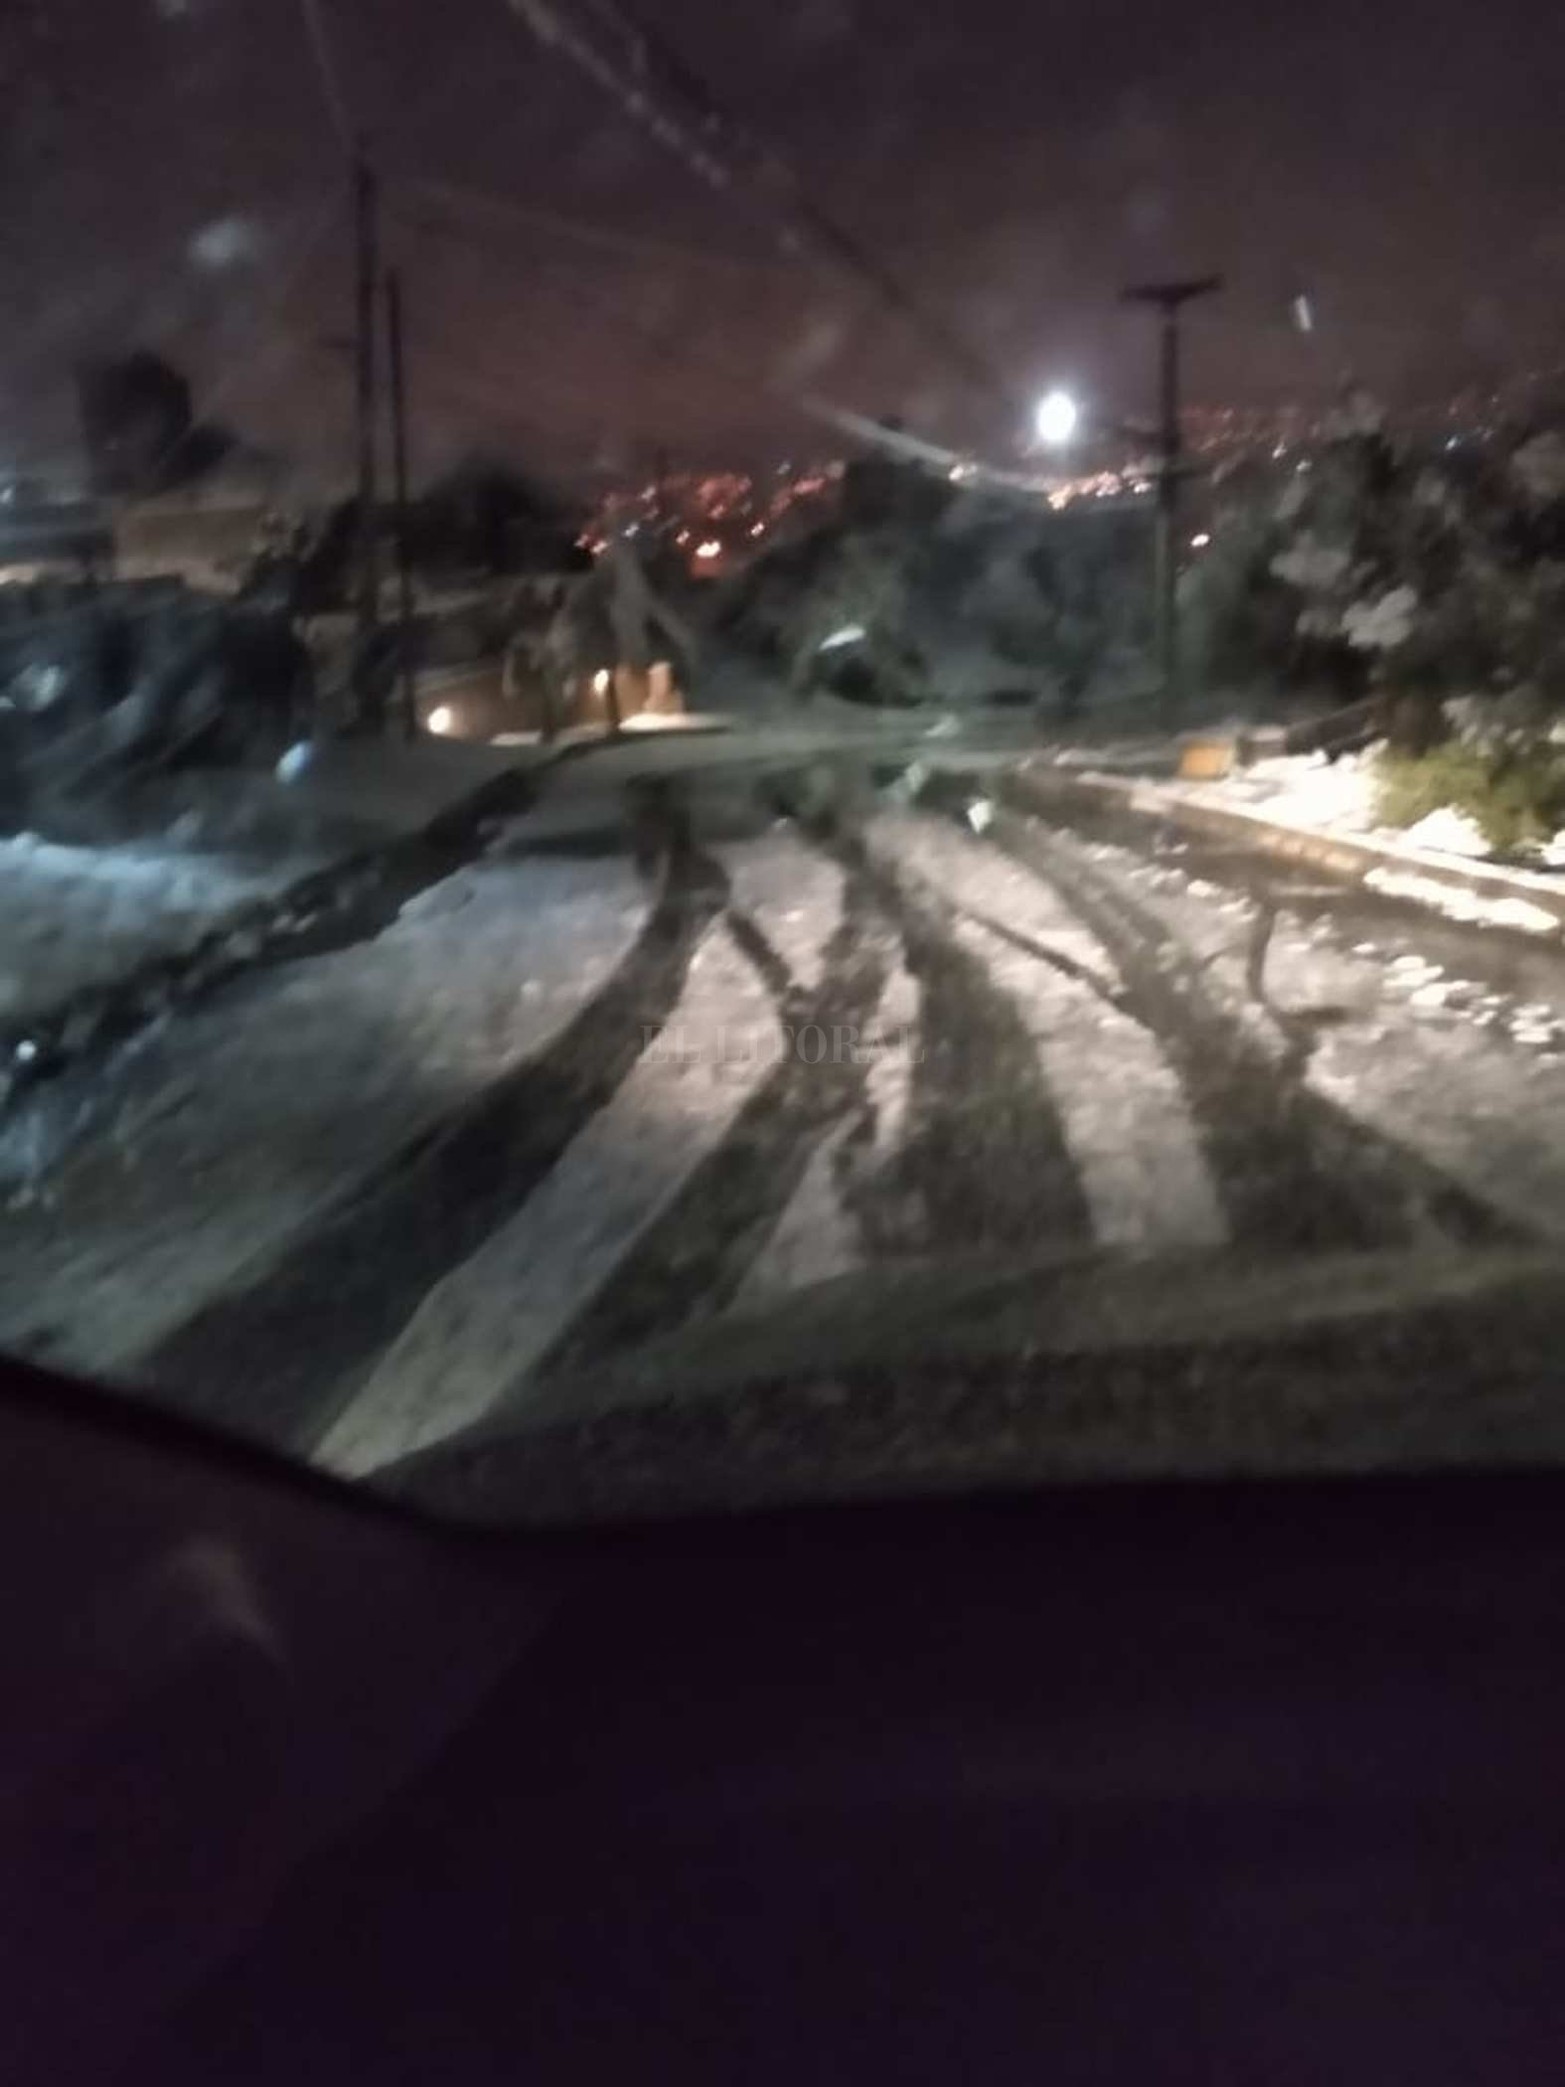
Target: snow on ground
{"type": "Point", "coordinates": [218, 1139]}
{"type": "Point", "coordinates": [1122, 1110]}
{"type": "Point", "coordinates": [978, 880]}
{"type": "Point", "coordinates": [817, 1235]}
{"type": "Point", "coordinates": [795, 895]}
{"type": "Point", "coordinates": [1448, 832]}
{"type": "Point", "coordinates": [815, 1238]}
{"type": "Point", "coordinates": [1483, 909]}
{"type": "Point", "coordinates": [1306, 788]}
{"type": "Point", "coordinates": [74, 917]}
{"type": "Point", "coordinates": [1340, 796]}
{"type": "Point", "coordinates": [479, 1331]}
{"type": "Point", "coordinates": [1470, 1078]}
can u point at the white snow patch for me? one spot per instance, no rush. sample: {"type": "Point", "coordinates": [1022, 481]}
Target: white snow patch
{"type": "Point", "coordinates": [1122, 1110]}
{"type": "Point", "coordinates": [1506, 912]}
{"type": "Point", "coordinates": [965, 873]}
{"type": "Point", "coordinates": [814, 1238]}
{"type": "Point", "coordinates": [1306, 788]}
{"type": "Point", "coordinates": [1458, 1092]}
{"type": "Point", "coordinates": [1341, 796]}
{"type": "Point", "coordinates": [1123, 1114]}
{"type": "Point", "coordinates": [78, 917]}
{"type": "Point", "coordinates": [817, 1236]}
{"type": "Point", "coordinates": [221, 1139]}
{"type": "Point", "coordinates": [481, 1329]}
{"type": "Point", "coordinates": [1448, 832]}
{"type": "Point", "coordinates": [795, 893]}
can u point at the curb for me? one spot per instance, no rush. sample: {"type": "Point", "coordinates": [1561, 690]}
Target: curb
{"type": "Point", "coordinates": [1520, 900]}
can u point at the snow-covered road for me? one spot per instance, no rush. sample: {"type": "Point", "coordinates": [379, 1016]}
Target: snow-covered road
{"type": "Point", "coordinates": [222, 1138]}
{"type": "Point", "coordinates": [77, 917]}
{"type": "Point", "coordinates": [560, 1106]}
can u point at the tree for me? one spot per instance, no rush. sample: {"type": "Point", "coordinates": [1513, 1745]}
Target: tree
{"type": "Point", "coordinates": [140, 431]}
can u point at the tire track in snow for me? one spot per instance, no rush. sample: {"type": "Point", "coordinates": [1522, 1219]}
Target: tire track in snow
{"type": "Point", "coordinates": [228, 1136]}
{"type": "Point", "coordinates": [984, 1161]}
{"type": "Point", "coordinates": [727, 1209]}
{"type": "Point", "coordinates": [484, 1326]}
{"type": "Point", "coordinates": [1293, 1170]}
{"type": "Point", "coordinates": [598, 1230]}
{"type": "Point", "coordinates": [278, 1358]}
{"type": "Point", "coordinates": [1123, 1114]}
{"type": "Point", "coordinates": [826, 1228]}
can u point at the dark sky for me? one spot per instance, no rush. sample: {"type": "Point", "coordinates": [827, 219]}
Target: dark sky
{"type": "Point", "coordinates": [171, 177]}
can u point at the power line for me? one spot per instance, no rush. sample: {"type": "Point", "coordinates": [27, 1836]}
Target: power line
{"type": "Point", "coordinates": [458, 196]}
{"type": "Point", "coordinates": [739, 376]}
{"type": "Point", "coordinates": [326, 72]}
{"type": "Point", "coordinates": [657, 88]}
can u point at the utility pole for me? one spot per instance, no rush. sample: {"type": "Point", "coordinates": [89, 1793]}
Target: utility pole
{"type": "Point", "coordinates": [367, 693]}
{"type": "Point", "coordinates": [1169, 299]}
{"type": "Point", "coordinates": [407, 705]}
{"type": "Point", "coordinates": [659, 493]}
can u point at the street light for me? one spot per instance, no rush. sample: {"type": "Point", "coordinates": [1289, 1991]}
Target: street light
{"type": "Point", "coordinates": [1055, 419]}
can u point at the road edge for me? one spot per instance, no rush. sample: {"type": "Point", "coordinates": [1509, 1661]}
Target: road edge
{"type": "Point", "coordinates": [1399, 871]}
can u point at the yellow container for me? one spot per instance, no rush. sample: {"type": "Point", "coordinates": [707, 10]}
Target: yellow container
{"type": "Point", "coordinates": [1205, 760]}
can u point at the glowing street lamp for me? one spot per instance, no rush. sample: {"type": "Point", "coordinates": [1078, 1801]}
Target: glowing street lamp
{"type": "Point", "coordinates": [1056, 418]}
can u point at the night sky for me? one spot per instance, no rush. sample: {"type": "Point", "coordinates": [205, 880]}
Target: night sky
{"type": "Point", "coordinates": [172, 178]}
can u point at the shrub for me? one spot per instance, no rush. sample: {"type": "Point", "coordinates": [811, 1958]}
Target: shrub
{"type": "Point", "coordinates": [1515, 795]}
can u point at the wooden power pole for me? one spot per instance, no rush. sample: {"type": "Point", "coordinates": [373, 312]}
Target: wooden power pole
{"type": "Point", "coordinates": [1169, 299]}
{"type": "Point", "coordinates": [407, 704]}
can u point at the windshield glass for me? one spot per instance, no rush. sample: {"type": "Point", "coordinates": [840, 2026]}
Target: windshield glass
{"type": "Point", "coordinates": [761, 755]}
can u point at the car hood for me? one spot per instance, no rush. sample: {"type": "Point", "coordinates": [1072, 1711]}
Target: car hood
{"type": "Point", "coordinates": [961, 1376]}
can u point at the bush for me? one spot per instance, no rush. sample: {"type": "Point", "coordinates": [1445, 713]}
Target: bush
{"type": "Point", "coordinates": [1515, 796]}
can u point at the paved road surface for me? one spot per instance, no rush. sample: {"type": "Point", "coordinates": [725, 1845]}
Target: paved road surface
{"type": "Point", "coordinates": [664, 1053]}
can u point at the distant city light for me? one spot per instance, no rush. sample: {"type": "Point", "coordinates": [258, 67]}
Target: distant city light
{"type": "Point", "coordinates": [1200, 542]}
{"type": "Point", "coordinates": [442, 719]}
{"type": "Point", "coordinates": [600, 682]}
{"type": "Point", "coordinates": [710, 549]}
{"type": "Point", "coordinates": [1055, 419]}
{"type": "Point", "coordinates": [758, 529]}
